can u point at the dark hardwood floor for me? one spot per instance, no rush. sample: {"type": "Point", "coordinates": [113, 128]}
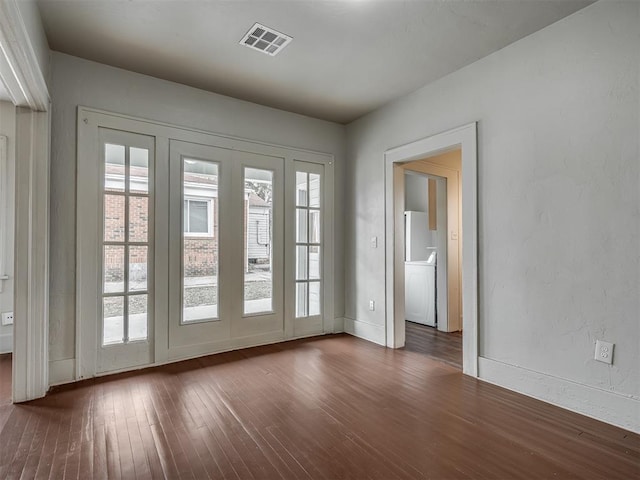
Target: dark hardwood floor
{"type": "Point", "coordinates": [446, 347]}
{"type": "Point", "coordinates": [5, 388]}
{"type": "Point", "coordinates": [5, 378]}
{"type": "Point", "coordinates": [335, 407]}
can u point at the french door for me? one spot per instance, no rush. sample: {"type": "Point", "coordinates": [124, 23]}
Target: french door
{"type": "Point", "coordinates": [126, 270]}
{"type": "Point", "coordinates": [190, 243]}
{"type": "Point", "coordinates": [226, 245]}
{"type": "Point", "coordinates": [308, 199]}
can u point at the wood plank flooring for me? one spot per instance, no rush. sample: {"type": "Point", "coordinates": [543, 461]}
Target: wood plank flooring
{"type": "Point", "coordinates": [334, 407]}
{"type": "Point", "coordinates": [446, 347]}
{"type": "Point", "coordinates": [5, 378]}
{"type": "Point", "coordinates": [5, 388]}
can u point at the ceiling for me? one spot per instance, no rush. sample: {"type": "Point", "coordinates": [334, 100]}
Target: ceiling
{"type": "Point", "coordinates": [347, 57]}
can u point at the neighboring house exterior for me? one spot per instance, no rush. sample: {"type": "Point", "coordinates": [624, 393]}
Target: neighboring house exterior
{"type": "Point", "coordinates": [258, 222]}
{"type": "Point", "coordinates": [200, 224]}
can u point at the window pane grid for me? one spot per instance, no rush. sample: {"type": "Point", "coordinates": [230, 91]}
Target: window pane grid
{"type": "Point", "coordinates": [117, 193]}
{"type": "Point", "coordinates": [128, 294]}
{"type": "Point", "coordinates": [308, 244]}
{"type": "Point", "coordinates": [117, 303]}
{"type": "Point", "coordinates": [132, 244]}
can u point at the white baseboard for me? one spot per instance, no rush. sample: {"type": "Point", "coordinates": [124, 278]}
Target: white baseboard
{"type": "Point", "coordinates": [338, 325]}
{"type": "Point", "coordinates": [62, 371]}
{"type": "Point", "coordinates": [609, 407]}
{"type": "Point", "coordinates": [6, 343]}
{"type": "Point", "coordinates": [367, 331]}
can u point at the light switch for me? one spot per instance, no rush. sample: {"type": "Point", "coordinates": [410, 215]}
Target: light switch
{"type": "Point", "coordinates": [374, 242]}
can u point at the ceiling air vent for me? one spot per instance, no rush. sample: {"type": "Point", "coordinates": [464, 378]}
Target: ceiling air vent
{"type": "Point", "coordinates": [265, 39]}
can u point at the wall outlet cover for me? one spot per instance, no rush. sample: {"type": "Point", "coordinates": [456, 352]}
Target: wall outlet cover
{"type": "Point", "coordinates": [7, 318]}
{"type": "Point", "coordinates": [604, 351]}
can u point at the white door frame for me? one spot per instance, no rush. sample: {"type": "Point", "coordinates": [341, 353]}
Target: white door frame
{"type": "Point", "coordinates": [21, 75]}
{"type": "Point", "coordinates": [88, 122]}
{"type": "Point", "coordinates": [465, 138]}
{"type": "Point", "coordinates": [447, 322]}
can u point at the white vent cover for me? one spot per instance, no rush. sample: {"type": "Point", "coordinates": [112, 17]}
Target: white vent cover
{"type": "Point", "coordinates": [265, 39]}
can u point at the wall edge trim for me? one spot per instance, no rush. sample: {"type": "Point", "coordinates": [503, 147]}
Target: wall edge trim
{"type": "Point", "coordinates": [610, 407]}
{"type": "Point", "coordinates": [365, 330]}
{"type": "Point", "coordinates": [62, 371]}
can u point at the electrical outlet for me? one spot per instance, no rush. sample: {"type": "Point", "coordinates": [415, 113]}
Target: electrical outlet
{"type": "Point", "coordinates": [7, 318]}
{"type": "Point", "coordinates": [374, 242]}
{"type": "Point", "coordinates": [372, 305]}
{"type": "Point", "coordinates": [604, 351]}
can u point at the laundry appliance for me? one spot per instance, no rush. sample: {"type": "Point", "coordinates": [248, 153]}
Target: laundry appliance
{"type": "Point", "coordinates": [419, 270]}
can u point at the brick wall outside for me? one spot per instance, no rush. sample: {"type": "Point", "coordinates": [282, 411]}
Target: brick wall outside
{"type": "Point", "coordinates": [200, 253]}
{"type": "Point", "coordinates": [115, 232]}
{"type": "Point", "coordinates": [200, 257]}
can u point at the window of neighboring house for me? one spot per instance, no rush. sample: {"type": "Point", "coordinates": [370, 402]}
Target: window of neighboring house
{"type": "Point", "coordinates": [198, 220]}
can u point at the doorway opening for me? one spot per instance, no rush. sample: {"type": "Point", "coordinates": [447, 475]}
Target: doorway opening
{"type": "Point", "coordinates": [432, 263]}
{"type": "Point", "coordinates": [455, 290]}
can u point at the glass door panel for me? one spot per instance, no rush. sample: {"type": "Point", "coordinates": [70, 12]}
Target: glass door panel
{"type": "Point", "coordinates": [125, 256]}
{"type": "Point", "coordinates": [199, 240]}
{"type": "Point", "coordinates": [258, 241]}
{"type": "Point", "coordinates": [199, 259]}
{"type": "Point", "coordinates": [138, 268]}
{"type": "Point", "coordinates": [257, 230]}
{"type": "Point", "coordinates": [126, 260]}
{"type": "Point", "coordinates": [315, 299]}
{"type": "Point", "coordinates": [139, 170]}
{"type": "Point", "coordinates": [113, 268]}
{"type": "Point", "coordinates": [138, 321]}
{"type": "Point", "coordinates": [302, 307]}
{"type": "Point", "coordinates": [225, 245]}
{"type": "Point", "coordinates": [308, 269]}
{"type": "Point", "coordinates": [113, 320]}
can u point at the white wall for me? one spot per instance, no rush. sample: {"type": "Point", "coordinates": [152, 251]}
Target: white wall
{"type": "Point", "coordinates": [559, 220]}
{"type": "Point", "coordinates": [79, 82]}
{"type": "Point", "coordinates": [8, 129]}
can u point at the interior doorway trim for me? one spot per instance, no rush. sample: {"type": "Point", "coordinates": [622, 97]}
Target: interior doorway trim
{"type": "Point", "coordinates": [22, 76]}
{"type": "Point", "coordinates": [464, 137]}
{"type": "Point", "coordinates": [31, 278]}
